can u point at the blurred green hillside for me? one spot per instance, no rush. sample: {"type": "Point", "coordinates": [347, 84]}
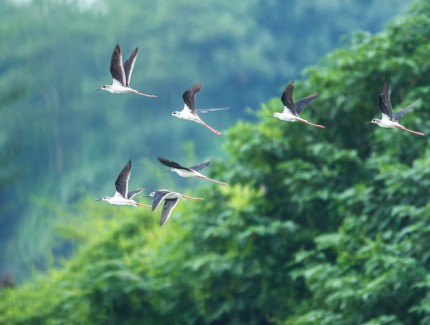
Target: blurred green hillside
{"type": "Point", "coordinates": [316, 226]}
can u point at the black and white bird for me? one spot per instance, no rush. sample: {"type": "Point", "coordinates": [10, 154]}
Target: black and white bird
{"type": "Point", "coordinates": [171, 199]}
{"type": "Point", "coordinates": [293, 109]}
{"type": "Point", "coordinates": [390, 120]}
{"type": "Point", "coordinates": [122, 195]}
{"type": "Point", "coordinates": [193, 171]}
{"type": "Point", "coordinates": [190, 113]}
{"type": "Point", "coordinates": [121, 73]}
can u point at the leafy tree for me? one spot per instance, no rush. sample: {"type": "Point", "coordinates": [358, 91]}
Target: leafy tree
{"type": "Point", "coordinates": [317, 226]}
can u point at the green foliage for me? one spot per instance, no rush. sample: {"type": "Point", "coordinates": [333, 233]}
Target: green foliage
{"type": "Point", "coordinates": [316, 227]}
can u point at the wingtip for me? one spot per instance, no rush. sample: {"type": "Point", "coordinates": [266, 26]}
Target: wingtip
{"type": "Point", "coordinates": [196, 88]}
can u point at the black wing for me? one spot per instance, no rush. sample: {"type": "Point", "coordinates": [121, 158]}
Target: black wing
{"type": "Point", "coordinates": [189, 95]}
{"type": "Point", "coordinates": [385, 102]}
{"type": "Point", "coordinates": [129, 65]}
{"type": "Point", "coordinates": [302, 103]}
{"type": "Point", "coordinates": [169, 205]}
{"type": "Point", "coordinates": [131, 194]}
{"type": "Point", "coordinates": [171, 164]}
{"type": "Point", "coordinates": [159, 195]}
{"type": "Point", "coordinates": [400, 114]}
{"type": "Point", "coordinates": [287, 97]}
{"type": "Point", "coordinates": [121, 183]}
{"type": "Point", "coordinates": [200, 166]}
{"type": "Point", "coordinates": [116, 67]}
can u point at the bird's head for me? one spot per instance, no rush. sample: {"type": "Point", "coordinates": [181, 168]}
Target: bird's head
{"type": "Point", "coordinates": [104, 198]}
{"type": "Point", "coordinates": [176, 114]}
{"type": "Point", "coordinates": [375, 121]}
{"type": "Point", "coordinates": [151, 194]}
{"type": "Point", "coordinates": [276, 114]}
{"type": "Point", "coordinates": [105, 87]}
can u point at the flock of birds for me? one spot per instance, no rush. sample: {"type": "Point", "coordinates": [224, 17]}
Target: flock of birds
{"type": "Point", "coordinates": [121, 76]}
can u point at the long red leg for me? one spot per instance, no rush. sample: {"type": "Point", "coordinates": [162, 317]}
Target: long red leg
{"type": "Point", "coordinates": [316, 125]}
{"type": "Point", "coordinates": [146, 95]}
{"type": "Point", "coordinates": [143, 205]}
{"type": "Point", "coordinates": [414, 132]}
{"type": "Point", "coordinates": [191, 197]}
{"type": "Point", "coordinates": [212, 180]}
{"type": "Point", "coordinates": [209, 127]}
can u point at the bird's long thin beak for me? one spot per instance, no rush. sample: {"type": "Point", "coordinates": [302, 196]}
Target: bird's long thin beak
{"type": "Point", "coordinates": [98, 199]}
{"type": "Point", "coordinates": [97, 89]}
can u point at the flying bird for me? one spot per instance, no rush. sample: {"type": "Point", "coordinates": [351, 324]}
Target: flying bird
{"type": "Point", "coordinates": [171, 199]}
{"type": "Point", "coordinates": [193, 171]}
{"type": "Point", "coordinates": [121, 73]}
{"type": "Point", "coordinates": [292, 110]}
{"type": "Point", "coordinates": [122, 195]}
{"type": "Point", "coordinates": [389, 120]}
{"type": "Point", "coordinates": [190, 113]}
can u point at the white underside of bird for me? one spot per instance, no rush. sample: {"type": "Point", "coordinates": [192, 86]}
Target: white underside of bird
{"type": "Point", "coordinates": [288, 116]}
{"type": "Point", "coordinates": [187, 114]}
{"type": "Point", "coordinates": [117, 88]}
{"type": "Point", "coordinates": [385, 122]}
{"type": "Point", "coordinates": [118, 199]}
